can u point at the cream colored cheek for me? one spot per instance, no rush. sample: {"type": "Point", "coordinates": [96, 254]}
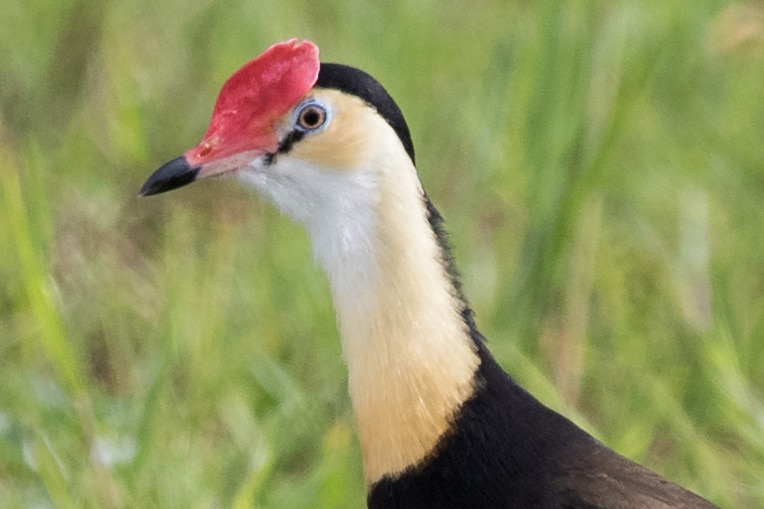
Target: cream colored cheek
{"type": "Point", "coordinates": [342, 155]}
{"type": "Point", "coordinates": [345, 145]}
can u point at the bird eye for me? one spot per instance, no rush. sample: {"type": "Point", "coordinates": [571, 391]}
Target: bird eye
{"type": "Point", "coordinates": [311, 117]}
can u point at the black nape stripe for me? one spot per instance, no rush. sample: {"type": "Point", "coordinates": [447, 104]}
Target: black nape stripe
{"type": "Point", "coordinates": [447, 261]}
{"type": "Point", "coordinates": [356, 82]}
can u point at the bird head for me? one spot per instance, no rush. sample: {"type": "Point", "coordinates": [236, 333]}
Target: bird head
{"type": "Point", "coordinates": [312, 137]}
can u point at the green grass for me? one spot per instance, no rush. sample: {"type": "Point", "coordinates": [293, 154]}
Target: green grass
{"type": "Point", "coordinates": [599, 165]}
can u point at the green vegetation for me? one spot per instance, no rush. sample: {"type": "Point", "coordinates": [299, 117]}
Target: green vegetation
{"type": "Point", "coordinates": [600, 167]}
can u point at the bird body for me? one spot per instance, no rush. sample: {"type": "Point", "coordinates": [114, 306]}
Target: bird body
{"type": "Point", "coordinates": [439, 422]}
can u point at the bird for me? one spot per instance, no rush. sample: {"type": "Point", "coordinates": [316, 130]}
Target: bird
{"type": "Point", "coordinates": [440, 423]}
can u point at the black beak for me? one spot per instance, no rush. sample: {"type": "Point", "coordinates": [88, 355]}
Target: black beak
{"type": "Point", "coordinates": [172, 175]}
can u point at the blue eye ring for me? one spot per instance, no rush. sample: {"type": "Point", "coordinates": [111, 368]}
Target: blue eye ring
{"type": "Point", "coordinates": [311, 117]}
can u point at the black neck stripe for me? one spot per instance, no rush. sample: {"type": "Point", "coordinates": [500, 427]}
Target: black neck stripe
{"type": "Point", "coordinates": [356, 82]}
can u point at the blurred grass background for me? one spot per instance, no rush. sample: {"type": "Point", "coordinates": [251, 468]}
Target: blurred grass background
{"type": "Point", "coordinates": [600, 165]}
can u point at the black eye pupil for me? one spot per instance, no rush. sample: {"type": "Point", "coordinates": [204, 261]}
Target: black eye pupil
{"type": "Point", "coordinates": [312, 117]}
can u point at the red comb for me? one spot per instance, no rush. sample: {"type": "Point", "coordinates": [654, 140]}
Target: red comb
{"type": "Point", "coordinates": [255, 96]}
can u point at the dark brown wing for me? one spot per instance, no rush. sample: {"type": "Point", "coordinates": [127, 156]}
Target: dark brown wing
{"type": "Point", "coordinates": [617, 483]}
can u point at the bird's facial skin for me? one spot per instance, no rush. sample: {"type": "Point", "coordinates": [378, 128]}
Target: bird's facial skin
{"type": "Point", "coordinates": [309, 117]}
{"type": "Point", "coordinates": [244, 120]}
{"type": "Point", "coordinates": [320, 130]}
{"type": "Point", "coordinates": [212, 157]}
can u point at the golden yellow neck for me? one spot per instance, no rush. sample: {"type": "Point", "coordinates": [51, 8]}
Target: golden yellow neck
{"type": "Point", "coordinates": [410, 359]}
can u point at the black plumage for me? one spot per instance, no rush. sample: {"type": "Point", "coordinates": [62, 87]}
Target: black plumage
{"type": "Point", "coordinates": [507, 450]}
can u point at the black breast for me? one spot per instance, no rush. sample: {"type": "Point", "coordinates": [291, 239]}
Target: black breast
{"type": "Point", "coordinates": [507, 450]}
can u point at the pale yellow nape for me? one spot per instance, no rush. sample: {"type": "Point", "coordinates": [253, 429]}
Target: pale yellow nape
{"type": "Point", "coordinates": [410, 359]}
